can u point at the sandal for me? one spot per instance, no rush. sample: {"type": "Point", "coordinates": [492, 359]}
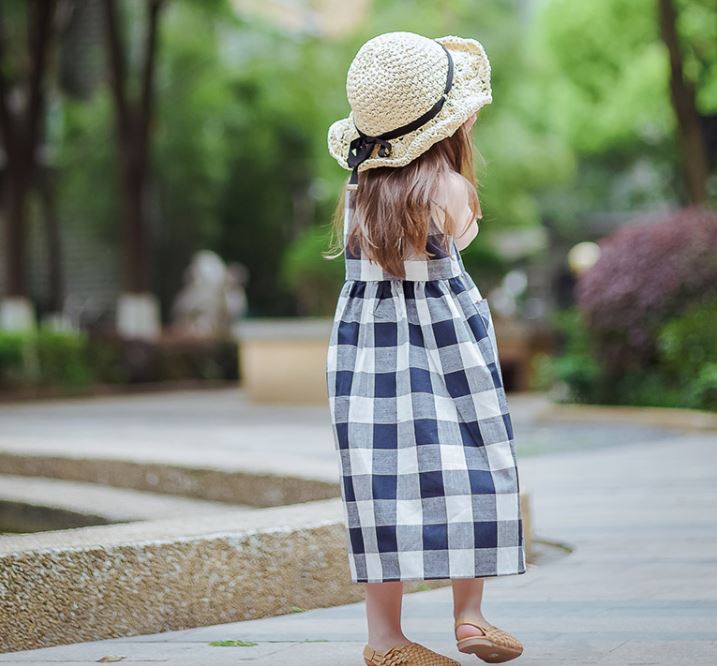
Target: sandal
{"type": "Point", "coordinates": [406, 654]}
{"type": "Point", "coordinates": [493, 646]}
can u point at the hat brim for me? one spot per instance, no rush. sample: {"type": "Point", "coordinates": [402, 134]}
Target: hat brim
{"type": "Point", "coordinates": [470, 91]}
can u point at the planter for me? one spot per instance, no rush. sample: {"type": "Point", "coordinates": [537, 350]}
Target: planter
{"type": "Point", "coordinates": [284, 360]}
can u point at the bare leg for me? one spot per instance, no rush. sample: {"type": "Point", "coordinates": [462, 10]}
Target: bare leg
{"type": "Point", "coordinates": [383, 612]}
{"type": "Point", "coordinates": [467, 599]}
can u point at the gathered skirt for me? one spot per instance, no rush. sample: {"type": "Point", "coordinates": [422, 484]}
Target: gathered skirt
{"type": "Point", "coordinates": [428, 471]}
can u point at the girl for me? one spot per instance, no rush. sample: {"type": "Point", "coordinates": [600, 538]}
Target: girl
{"type": "Point", "coordinates": [429, 480]}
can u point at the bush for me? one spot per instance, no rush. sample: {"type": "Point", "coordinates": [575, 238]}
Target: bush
{"type": "Point", "coordinates": [687, 347]}
{"type": "Point", "coordinates": [688, 342]}
{"type": "Point", "coordinates": [315, 279]}
{"type": "Point", "coordinates": [44, 358]}
{"type": "Point", "coordinates": [683, 374]}
{"type": "Point", "coordinates": [576, 367]}
{"type": "Point", "coordinates": [647, 274]}
{"type": "Point", "coordinates": [485, 265]}
{"type": "Point", "coordinates": [649, 388]}
{"type": "Point", "coordinates": [703, 392]}
{"type": "Point", "coordinates": [122, 361]}
{"type": "Point", "coordinates": [12, 354]}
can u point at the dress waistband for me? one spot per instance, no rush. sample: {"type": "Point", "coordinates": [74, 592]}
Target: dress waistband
{"type": "Point", "coordinates": [437, 268]}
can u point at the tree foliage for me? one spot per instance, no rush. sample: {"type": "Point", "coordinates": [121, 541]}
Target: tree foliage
{"type": "Point", "coordinates": [580, 121]}
{"type": "Point", "coordinates": [605, 73]}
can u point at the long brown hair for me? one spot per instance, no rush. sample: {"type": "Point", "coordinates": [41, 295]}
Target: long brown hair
{"type": "Point", "coordinates": [393, 204]}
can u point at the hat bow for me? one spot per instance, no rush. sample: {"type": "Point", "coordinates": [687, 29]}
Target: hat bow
{"type": "Point", "coordinates": [361, 147]}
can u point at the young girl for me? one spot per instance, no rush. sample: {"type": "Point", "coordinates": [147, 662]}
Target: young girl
{"type": "Point", "coordinates": [429, 480]}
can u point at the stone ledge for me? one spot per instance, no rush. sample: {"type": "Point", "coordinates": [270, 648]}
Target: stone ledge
{"type": "Point", "coordinates": [123, 580]}
{"type": "Point", "coordinates": [92, 501]}
{"type": "Point", "coordinates": [295, 516]}
{"type": "Point", "coordinates": [138, 578]}
{"type": "Point", "coordinates": [250, 487]}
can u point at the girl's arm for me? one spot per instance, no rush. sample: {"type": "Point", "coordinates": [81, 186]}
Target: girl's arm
{"type": "Point", "coordinates": [456, 203]}
{"type": "Point", "coordinates": [465, 238]}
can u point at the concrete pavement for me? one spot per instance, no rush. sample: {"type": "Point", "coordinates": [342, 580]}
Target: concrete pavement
{"type": "Point", "coordinates": [639, 588]}
{"type": "Point", "coordinates": [222, 429]}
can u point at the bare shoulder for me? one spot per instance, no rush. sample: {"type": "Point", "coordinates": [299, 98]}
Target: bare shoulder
{"type": "Point", "coordinates": [453, 189]}
{"type": "Point", "coordinates": [453, 196]}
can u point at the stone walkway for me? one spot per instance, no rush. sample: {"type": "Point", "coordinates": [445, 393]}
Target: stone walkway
{"type": "Point", "coordinates": [639, 588]}
{"type": "Point", "coordinates": [220, 428]}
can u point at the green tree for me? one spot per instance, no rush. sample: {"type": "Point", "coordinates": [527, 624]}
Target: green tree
{"type": "Point", "coordinates": [190, 152]}
{"type": "Point", "coordinates": [26, 39]}
{"type": "Point", "coordinates": [605, 80]}
{"type": "Point", "coordinates": [278, 136]}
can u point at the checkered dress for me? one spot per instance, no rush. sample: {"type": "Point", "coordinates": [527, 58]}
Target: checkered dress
{"type": "Point", "coordinates": [422, 430]}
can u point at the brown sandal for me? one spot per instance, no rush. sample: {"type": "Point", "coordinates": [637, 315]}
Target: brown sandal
{"type": "Point", "coordinates": [406, 654]}
{"type": "Point", "coordinates": [493, 646]}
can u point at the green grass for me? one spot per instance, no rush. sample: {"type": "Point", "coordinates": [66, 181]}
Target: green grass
{"type": "Point", "coordinates": [236, 643]}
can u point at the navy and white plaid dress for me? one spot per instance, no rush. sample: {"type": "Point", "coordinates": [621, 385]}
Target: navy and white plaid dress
{"type": "Point", "coordinates": [429, 478]}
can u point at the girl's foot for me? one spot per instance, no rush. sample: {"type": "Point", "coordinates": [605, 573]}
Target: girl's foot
{"type": "Point", "coordinates": [410, 653]}
{"type": "Point", "coordinates": [468, 630]}
{"type": "Point", "coordinates": [386, 642]}
{"type": "Point", "coordinates": [486, 641]}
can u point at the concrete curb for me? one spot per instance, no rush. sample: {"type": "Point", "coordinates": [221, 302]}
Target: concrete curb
{"type": "Point", "coordinates": [237, 486]}
{"type": "Point", "coordinates": [123, 580]}
{"type": "Point", "coordinates": [115, 581]}
{"type": "Point", "coordinates": [664, 417]}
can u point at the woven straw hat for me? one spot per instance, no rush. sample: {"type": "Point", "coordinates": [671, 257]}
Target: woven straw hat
{"type": "Point", "coordinates": [406, 93]}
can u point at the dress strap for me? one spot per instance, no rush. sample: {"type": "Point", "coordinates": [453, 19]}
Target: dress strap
{"type": "Point", "coordinates": [348, 213]}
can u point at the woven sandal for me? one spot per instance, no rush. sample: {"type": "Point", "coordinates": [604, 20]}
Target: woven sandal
{"type": "Point", "coordinates": [407, 654]}
{"type": "Point", "coordinates": [494, 646]}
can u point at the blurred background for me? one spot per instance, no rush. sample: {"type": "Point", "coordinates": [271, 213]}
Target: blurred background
{"type": "Point", "coordinates": [166, 184]}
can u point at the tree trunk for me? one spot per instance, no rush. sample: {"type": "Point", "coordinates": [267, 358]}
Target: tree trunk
{"type": "Point", "coordinates": [54, 240]}
{"type": "Point", "coordinates": [15, 199]}
{"type": "Point", "coordinates": [133, 121]}
{"type": "Point", "coordinates": [136, 263]}
{"type": "Point", "coordinates": [137, 256]}
{"type": "Point", "coordinates": [21, 131]}
{"type": "Point", "coordinates": [690, 137]}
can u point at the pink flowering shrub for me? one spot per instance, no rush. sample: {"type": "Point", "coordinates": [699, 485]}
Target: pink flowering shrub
{"type": "Point", "coordinates": [648, 273]}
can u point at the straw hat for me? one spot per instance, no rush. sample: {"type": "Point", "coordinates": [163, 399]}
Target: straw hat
{"type": "Point", "coordinates": [406, 93]}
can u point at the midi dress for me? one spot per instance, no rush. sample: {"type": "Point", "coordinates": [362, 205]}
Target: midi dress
{"type": "Point", "coordinates": [422, 431]}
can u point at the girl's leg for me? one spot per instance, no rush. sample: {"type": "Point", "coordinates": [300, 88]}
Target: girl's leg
{"type": "Point", "coordinates": [383, 612]}
{"type": "Point", "coordinates": [467, 599]}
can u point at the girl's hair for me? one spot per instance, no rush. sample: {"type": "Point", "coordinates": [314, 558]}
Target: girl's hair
{"type": "Point", "coordinates": [393, 204]}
